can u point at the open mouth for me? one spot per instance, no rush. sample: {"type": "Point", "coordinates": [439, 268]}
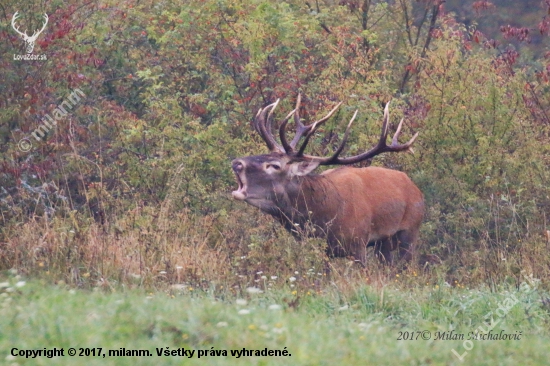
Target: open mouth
{"type": "Point", "coordinates": [239, 194]}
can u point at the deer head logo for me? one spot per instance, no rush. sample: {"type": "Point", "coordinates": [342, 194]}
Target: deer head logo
{"type": "Point", "coordinates": [28, 39]}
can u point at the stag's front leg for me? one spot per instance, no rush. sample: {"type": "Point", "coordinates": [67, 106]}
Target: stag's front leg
{"type": "Point", "coordinates": [382, 250]}
{"type": "Point", "coordinates": [359, 252]}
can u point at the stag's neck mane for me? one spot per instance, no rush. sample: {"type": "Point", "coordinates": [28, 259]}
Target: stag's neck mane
{"type": "Point", "coordinates": [310, 199]}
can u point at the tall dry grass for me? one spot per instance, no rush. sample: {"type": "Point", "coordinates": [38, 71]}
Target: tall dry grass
{"type": "Point", "coordinates": [159, 246]}
{"type": "Point", "coordinates": [166, 245]}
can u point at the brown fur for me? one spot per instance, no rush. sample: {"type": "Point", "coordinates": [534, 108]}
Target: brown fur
{"type": "Point", "coordinates": [352, 207]}
{"type": "Point", "coordinates": [355, 207]}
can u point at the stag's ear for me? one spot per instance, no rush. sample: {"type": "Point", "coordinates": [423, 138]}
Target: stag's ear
{"type": "Point", "coordinates": [302, 167]}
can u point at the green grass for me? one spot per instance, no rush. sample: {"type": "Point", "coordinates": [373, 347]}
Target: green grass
{"type": "Point", "coordinates": [327, 327]}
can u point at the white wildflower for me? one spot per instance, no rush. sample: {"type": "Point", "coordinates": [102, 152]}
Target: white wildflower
{"type": "Point", "coordinates": [365, 326]}
{"type": "Point", "coordinates": [254, 290]}
{"type": "Point", "coordinates": [241, 302]}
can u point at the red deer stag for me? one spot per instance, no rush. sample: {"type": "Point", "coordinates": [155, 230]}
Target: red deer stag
{"type": "Point", "coordinates": [352, 207]}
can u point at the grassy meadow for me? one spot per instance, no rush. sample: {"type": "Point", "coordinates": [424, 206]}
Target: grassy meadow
{"type": "Point", "coordinates": [355, 325]}
{"type": "Point", "coordinates": [212, 285]}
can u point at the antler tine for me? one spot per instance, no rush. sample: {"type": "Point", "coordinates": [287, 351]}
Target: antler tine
{"type": "Point", "coordinates": [260, 123]}
{"type": "Point", "coordinates": [384, 134]}
{"type": "Point", "coordinates": [395, 143]}
{"type": "Point", "coordinates": [282, 135]}
{"type": "Point", "coordinates": [273, 106]}
{"type": "Point", "coordinates": [345, 139]}
{"type": "Point", "coordinates": [300, 128]}
{"type": "Point", "coordinates": [267, 124]}
{"type": "Point", "coordinates": [297, 109]}
{"type": "Point", "coordinates": [259, 120]}
{"type": "Point", "coordinates": [409, 144]}
{"type": "Point", "coordinates": [256, 119]}
{"type": "Point", "coordinates": [397, 132]}
{"type": "Point", "coordinates": [314, 126]}
{"type": "Point", "coordinates": [303, 147]}
{"type": "Point", "coordinates": [267, 121]}
{"type": "Point", "coordinates": [334, 157]}
{"type": "Point", "coordinates": [379, 148]}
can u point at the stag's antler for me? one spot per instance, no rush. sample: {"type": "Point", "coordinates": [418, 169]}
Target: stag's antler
{"type": "Point", "coordinates": [381, 147]}
{"type": "Point", "coordinates": [301, 129]}
{"type": "Point", "coordinates": [263, 126]}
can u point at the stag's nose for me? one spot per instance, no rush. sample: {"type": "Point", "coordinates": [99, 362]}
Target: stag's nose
{"type": "Point", "coordinates": [237, 165]}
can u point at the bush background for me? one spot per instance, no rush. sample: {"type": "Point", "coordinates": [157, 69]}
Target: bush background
{"type": "Point", "coordinates": [133, 186]}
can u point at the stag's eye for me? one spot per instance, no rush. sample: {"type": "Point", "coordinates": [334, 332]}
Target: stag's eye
{"type": "Point", "coordinates": [273, 166]}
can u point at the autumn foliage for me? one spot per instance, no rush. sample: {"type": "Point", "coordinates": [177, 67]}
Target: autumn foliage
{"type": "Point", "coordinates": [136, 178]}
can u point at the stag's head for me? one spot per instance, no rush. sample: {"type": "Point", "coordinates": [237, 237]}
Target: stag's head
{"type": "Point", "coordinates": [265, 181]}
{"type": "Point", "coordinates": [30, 40]}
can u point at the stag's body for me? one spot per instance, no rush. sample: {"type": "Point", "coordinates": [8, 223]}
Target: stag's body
{"type": "Point", "coordinates": [352, 207]}
{"type": "Point", "coordinates": [363, 206]}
